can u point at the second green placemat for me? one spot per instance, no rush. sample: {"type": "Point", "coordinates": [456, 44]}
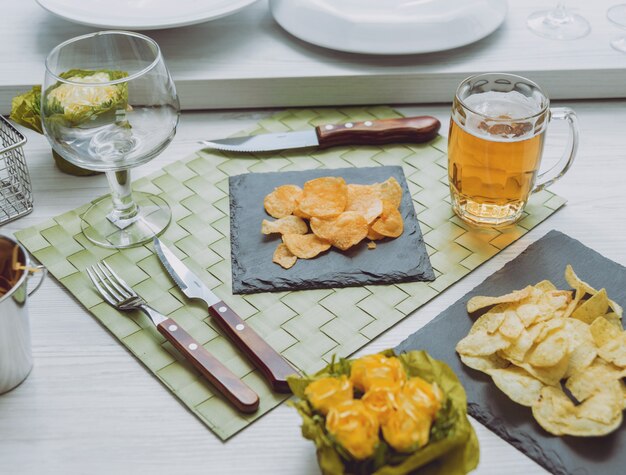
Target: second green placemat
{"type": "Point", "coordinates": [307, 327]}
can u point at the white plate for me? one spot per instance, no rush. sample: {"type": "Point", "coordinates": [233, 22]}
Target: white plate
{"type": "Point", "coordinates": [389, 26]}
{"type": "Point", "coordinates": [142, 14]}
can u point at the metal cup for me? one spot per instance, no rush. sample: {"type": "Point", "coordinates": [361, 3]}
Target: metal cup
{"type": "Point", "coordinates": [16, 358]}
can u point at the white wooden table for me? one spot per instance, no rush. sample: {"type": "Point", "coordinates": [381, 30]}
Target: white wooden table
{"type": "Point", "coordinates": [247, 60]}
{"type": "Point", "coordinates": [90, 407]}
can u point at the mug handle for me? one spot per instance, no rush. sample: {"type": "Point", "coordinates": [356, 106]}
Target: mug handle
{"type": "Point", "coordinates": [548, 177]}
{"type": "Point", "coordinates": [34, 270]}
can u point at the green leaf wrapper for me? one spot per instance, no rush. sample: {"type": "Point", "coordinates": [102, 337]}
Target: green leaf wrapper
{"type": "Point", "coordinates": [26, 111]}
{"type": "Point", "coordinates": [453, 446]}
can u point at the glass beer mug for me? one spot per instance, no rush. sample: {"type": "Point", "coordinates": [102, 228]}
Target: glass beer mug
{"type": "Point", "coordinates": [497, 132]}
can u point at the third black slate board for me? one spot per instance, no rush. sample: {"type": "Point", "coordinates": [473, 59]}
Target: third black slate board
{"type": "Point", "coordinates": [404, 259]}
{"type": "Point", "coordinates": [545, 259]}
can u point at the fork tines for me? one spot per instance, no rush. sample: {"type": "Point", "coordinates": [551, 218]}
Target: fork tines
{"type": "Point", "coordinates": [110, 285]}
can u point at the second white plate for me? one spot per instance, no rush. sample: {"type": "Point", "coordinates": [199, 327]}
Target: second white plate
{"type": "Point", "coordinates": [142, 14]}
{"type": "Point", "coordinates": [389, 26]}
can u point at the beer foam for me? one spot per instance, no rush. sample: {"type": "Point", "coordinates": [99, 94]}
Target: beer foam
{"type": "Point", "coordinates": [512, 105]}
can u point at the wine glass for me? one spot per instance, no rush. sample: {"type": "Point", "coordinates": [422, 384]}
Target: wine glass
{"type": "Point", "coordinates": [617, 15]}
{"type": "Point", "coordinates": [558, 23]}
{"type": "Point", "coordinates": [109, 104]}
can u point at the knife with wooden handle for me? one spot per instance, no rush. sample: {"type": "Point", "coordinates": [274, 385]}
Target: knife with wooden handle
{"type": "Point", "coordinates": [369, 132]}
{"type": "Point", "coordinates": [273, 366]}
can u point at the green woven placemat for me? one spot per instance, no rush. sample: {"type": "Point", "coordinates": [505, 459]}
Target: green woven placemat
{"type": "Point", "coordinates": [307, 327]}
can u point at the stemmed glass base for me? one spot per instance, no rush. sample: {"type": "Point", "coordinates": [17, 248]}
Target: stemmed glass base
{"type": "Point", "coordinates": [558, 24]}
{"type": "Point", "coordinates": [101, 226]}
{"type": "Point", "coordinates": [617, 15]}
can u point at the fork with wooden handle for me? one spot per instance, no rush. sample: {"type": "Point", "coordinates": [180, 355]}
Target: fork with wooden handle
{"type": "Point", "coordinates": [121, 296]}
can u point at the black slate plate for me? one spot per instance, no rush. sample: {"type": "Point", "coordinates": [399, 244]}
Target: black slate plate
{"type": "Point", "coordinates": [403, 259]}
{"type": "Point", "coordinates": [545, 259]}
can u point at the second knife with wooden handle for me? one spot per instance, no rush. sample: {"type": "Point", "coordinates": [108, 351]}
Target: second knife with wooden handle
{"type": "Point", "coordinates": [369, 132]}
{"type": "Point", "coordinates": [271, 364]}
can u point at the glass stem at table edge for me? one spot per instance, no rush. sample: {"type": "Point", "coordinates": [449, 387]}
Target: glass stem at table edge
{"type": "Point", "coordinates": [125, 210]}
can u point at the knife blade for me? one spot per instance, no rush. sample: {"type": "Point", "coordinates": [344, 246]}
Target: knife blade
{"type": "Point", "coordinates": [370, 132]}
{"type": "Point", "coordinates": [273, 366]}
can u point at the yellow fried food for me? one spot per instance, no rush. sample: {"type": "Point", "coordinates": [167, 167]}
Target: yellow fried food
{"type": "Point", "coordinates": [365, 200]}
{"type": "Point", "coordinates": [286, 225]}
{"type": "Point", "coordinates": [390, 223]}
{"type": "Point", "coordinates": [355, 427]}
{"type": "Point", "coordinates": [408, 427]}
{"type": "Point", "coordinates": [376, 370]}
{"type": "Point", "coordinates": [535, 339]}
{"type": "Point", "coordinates": [391, 191]}
{"type": "Point", "coordinates": [325, 393]}
{"type": "Point", "coordinates": [324, 197]}
{"type": "Point", "coordinates": [283, 256]}
{"type": "Point", "coordinates": [343, 232]}
{"type": "Point", "coordinates": [282, 201]}
{"type": "Point", "coordinates": [305, 246]}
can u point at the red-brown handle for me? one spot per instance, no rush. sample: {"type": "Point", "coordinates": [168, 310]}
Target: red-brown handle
{"type": "Point", "coordinates": [233, 388]}
{"type": "Point", "coordinates": [274, 367]}
{"type": "Point", "coordinates": [377, 132]}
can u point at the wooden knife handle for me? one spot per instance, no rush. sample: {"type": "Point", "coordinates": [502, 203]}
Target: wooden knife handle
{"type": "Point", "coordinates": [233, 388]}
{"type": "Point", "coordinates": [274, 367]}
{"type": "Point", "coordinates": [377, 132]}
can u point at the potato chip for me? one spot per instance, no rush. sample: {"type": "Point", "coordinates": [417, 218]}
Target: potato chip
{"type": "Point", "coordinates": [550, 375]}
{"type": "Point", "coordinates": [391, 191]}
{"type": "Point", "coordinates": [324, 197]}
{"type": "Point", "coordinates": [603, 406]}
{"type": "Point", "coordinates": [481, 343]}
{"type": "Point", "coordinates": [305, 246]}
{"type": "Point", "coordinates": [583, 384]}
{"type": "Point", "coordinates": [550, 351]}
{"type": "Point", "coordinates": [282, 201]}
{"type": "Point", "coordinates": [614, 319]}
{"type": "Point", "coordinates": [485, 363]}
{"type": "Point", "coordinates": [518, 349]}
{"type": "Point", "coordinates": [373, 235]}
{"type": "Point", "coordinates": [364, 200]}
{"type": "Point", "coordinates": [490, 321]}
{"type": "Point", "coordinates": [301, 214]}
{"type": "Point", "coordinates": [573, 280]}
{"type": "Point", "coordinates": [283, 256]}
{"type": "Point", "coordinates": [581, 358]}
{"type": "Point", "coordinates": [595, 306]}
{"type": "Point", "coordinates": [545, 286]}
{"type": "Point", "coordinates": [343, 232]}
{"type": "Point", "coordinates": [371, 245]}
{"type": "Point", "coordinates": [602, 331]}
{"type": "Point", "coordinates": [478, 302]}
{"type": "Point", "coordinates": [286, 225]}
{"type": "Point", "coordinates": [556, 413]}
{"type": "Point", "coordinates": [528, 313]}
{"type": "Point", "coordinates": [547, 327]}
{"type": "Point", "coordinates": [512, 327]}
{"type": "Point", "coordinates": [614, 351]}
{"type": "Point", "coordinates": [390, 223]}
{"type": "Point", "coordinates": [516, 383]}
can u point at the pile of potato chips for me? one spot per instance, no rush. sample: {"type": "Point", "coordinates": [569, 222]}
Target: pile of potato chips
{"type": "Point", "coordinates": [339, 214]}
{"type": "Point", "coordinates": [539, 340]}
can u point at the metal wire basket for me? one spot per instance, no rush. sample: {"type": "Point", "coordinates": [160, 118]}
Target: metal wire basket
{"type": "Point", "coordinates": [16, 198]}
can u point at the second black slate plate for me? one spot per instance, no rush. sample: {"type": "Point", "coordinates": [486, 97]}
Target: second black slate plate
{"type": "Point", "coordinates": [545, 259]}
{"type": "Point", "coordinates": [403, 259]}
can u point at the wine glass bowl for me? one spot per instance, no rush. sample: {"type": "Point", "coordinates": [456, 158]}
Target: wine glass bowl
{"type": "Point", "coordinates": [109, 104]}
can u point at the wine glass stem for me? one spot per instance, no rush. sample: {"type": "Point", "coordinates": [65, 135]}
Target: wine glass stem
{"type": "Point", "coordinates": [124, 207]}
{"type": "Point", "coordinates": [559, 14]}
